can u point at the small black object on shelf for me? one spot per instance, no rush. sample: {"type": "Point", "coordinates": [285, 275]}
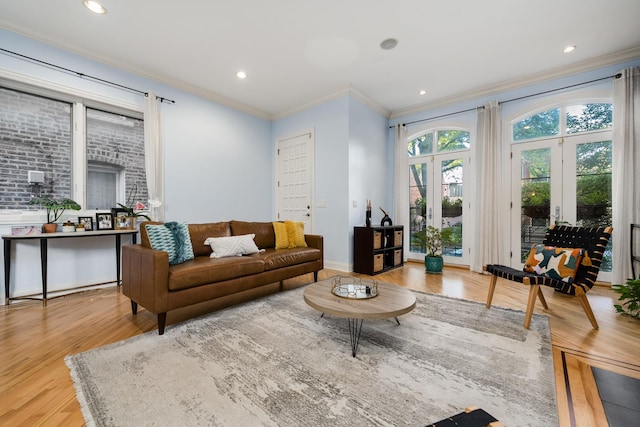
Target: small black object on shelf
{"type": "Point", "coordinates": [386, 220]}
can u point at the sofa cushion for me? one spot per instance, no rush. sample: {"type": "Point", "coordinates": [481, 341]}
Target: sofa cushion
{"type": "Point", "coordinates": [265, 237]}
{"type": "Point", "coordinates": [232, 246]}
{"type": "Point", "coordinates": [200, 233]}
{"type": "Point", "coordinates": [205, 270]}
{"type": "Point", "coordinates": [278, 258]}
{"type": "Point", "coordinates": [173, 238]}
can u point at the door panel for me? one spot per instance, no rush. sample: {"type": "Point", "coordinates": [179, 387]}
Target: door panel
{"type": "Point", "coordinates": [295, 179]}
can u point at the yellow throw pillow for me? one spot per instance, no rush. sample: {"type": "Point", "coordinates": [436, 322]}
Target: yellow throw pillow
{"type": "Point", "coordinates": [282, 237]}
{"type": "Point", "coordinates": [295, 231]}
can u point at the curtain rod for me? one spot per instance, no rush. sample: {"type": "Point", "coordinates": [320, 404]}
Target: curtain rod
{"type": "Point", "coordinates": [616, 76]}
{"type": "Point", "coordinates": [82, 75]}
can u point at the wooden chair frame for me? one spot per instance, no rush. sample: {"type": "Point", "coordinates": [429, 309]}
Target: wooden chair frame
{"type": "Point", "coordinates": [593, 240]}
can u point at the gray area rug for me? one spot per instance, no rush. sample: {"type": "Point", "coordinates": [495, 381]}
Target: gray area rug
{"type": "Point", "coordinates": [276, 362]}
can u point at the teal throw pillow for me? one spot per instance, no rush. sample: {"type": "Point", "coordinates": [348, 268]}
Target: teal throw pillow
{"type": "Point", "coordinates": [173, 238]}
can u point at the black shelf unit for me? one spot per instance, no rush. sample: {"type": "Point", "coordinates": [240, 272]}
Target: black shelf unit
{"type": "Point", "coordinates": [377, 249]}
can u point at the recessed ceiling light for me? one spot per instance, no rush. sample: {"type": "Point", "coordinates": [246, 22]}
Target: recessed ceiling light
{"type": "Point", "coordinates": [241, 75]}
{"type": "Point", "coordinates": [389, 44]}
{"type": "Point", "coordinates": [569, 49]}
{"type": "Point", "coordinates": [94, 7]}
{"type": "Point", "coordinates": [422, 92]}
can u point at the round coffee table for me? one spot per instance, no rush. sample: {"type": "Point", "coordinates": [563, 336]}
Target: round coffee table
{"type": "Point", "coordinates": [391, 301]}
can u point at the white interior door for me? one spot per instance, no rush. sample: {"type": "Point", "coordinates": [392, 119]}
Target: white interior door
{"type": "Point", "coordinates": [294, 179]}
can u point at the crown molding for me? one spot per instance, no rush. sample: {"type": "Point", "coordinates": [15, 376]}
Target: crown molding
{"type": "Point", "coordinates": [338, 93]}
{"type": "Point", "coordinates": [564, 71]}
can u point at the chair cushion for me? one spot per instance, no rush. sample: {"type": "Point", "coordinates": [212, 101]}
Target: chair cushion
{"type": "Point", "coordinates": [557, 263]}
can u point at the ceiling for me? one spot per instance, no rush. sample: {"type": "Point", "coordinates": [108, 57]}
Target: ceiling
{"type": "Point", "coordinates": [298, 52]}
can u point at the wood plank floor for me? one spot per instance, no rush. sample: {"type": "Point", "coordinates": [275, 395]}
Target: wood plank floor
{"type": "Point", "coordinates": [36, 390]}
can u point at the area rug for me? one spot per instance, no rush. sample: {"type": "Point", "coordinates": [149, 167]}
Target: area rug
{"type": "Point", "coordinates": [276, 362]}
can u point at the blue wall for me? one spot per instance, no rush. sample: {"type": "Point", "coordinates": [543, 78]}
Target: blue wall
{"type": "Point", "coordinates": [216, 161]}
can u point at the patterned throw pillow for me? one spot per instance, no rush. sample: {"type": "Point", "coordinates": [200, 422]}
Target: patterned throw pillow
{"type": "Point", "coordinates": [232, 245]}
{"type": "Point", "coordinates": [282, 236]}
{"type": "Point", "coordinates": [557, 263]}
{"type": "Point", "coordinates": [289, 234]}
{"type": "Point", "coordinates": [295, 232]}
{"type": "Point", "coordinates": [173, 238]}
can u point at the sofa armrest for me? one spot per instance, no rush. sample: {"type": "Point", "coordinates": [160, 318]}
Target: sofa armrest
{"type": "Point", "coordinates": [145, 277]}
{"type": "Point", "coordinates": [314, 241]}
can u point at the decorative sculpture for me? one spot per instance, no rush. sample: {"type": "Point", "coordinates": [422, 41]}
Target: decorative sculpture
{"type": "Point", "coordinates": [386, 220]}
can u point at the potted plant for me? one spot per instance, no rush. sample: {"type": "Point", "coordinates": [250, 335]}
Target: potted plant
{"type": "Point", "coordinates": [630, 294]}
{"type": "Point", "coordinates": [433, 261]}
{"type": "Point", "coordinates": [55, 209]}
{"type": "Point", "coordinates": [134, 209]}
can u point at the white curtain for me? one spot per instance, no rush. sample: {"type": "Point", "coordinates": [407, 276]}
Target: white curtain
{"type": "Point", "coordinates": [491, 221]}
{"type": "Point", "coordinates": [154, 156]}
{"type": "Point", "coordinates": [626, 168]}
{"type": "Point", "coordinates": [401, 182]}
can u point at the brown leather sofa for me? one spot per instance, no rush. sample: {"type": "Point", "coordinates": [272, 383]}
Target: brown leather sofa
{"type": "Point", "coordinates": [149, 280]}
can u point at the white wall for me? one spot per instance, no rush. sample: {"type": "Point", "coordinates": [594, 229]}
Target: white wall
{"type": "Point", "coordinates": [216, 161]}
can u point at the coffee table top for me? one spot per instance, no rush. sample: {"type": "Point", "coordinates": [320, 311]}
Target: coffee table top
{"type": "Point", "coordinates": [392, 301]}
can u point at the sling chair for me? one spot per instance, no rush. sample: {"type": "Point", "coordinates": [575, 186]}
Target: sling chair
{"type": "Point", "coordinates": [565, 248]}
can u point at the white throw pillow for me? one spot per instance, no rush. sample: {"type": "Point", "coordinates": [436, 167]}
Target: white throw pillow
{"type": "Point", "coordinates": [232, 245]}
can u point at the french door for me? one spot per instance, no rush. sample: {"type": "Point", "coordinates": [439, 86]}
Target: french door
{"type": "Point", "coordinates": [564, 179]}
{"type": "Point", "coordinates": [436, 198]}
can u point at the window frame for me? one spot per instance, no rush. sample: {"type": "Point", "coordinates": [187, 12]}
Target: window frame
{"type": "Point", "coordinates": [80, 100]}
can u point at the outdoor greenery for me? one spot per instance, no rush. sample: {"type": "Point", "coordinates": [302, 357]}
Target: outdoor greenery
{"type": "Point", "coordinates": [630, 294]}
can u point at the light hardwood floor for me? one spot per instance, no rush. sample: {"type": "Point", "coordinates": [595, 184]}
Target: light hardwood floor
{"type": "Point", "coordinates": [36, 390]}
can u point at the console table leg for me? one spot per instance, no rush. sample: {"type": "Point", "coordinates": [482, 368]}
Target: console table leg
{"type": "Point", "coordinates": [43, 268]}
{"type": "Point", "coordinates": [118, 261]}
{"type": "Point", "coordinates": [7, 270]}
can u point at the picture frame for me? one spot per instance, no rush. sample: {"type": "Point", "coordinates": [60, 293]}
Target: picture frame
{"type": "Point", "coordinates": [104, 221]}
{"type": "Point", "coordinates": [121, 219]}
{"type": "Point", "coordinates": [87, 221]}
{"type": "Point", "coordinates": [123, 222]}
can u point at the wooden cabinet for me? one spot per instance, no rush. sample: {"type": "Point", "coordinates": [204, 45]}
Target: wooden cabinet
{"type": "Point", "coordinates": [377, 249]}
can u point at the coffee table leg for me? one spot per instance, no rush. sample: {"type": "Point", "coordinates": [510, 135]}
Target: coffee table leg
{"type": "Point", "coordinates": [397, 321]}
{"type": "Point", "coordinates": [355, 327]}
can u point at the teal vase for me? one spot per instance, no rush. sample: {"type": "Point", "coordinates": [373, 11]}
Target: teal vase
{"type": "Point", "coordinates": [433, 264]}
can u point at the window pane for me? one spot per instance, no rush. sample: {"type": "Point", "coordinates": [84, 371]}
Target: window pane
{"type": "Point", "coordinates": [582, 118]}
{"type": "Point", "coordinates": [539, 125]}
{"type": "Point", "coordinates": [593, 189]}
{"type": "Point", "coordinates": [451, 140]}
{"type": "Point", "coordinates": [35, 135]}
{"type": "Point", "coordinates": [421, 145]}
{"type": "Point", "coordinates": [115, 143]}
{"type": "Point", "coordinates": [535, 184]}
{"type": "Point", "coordinates": [452, 207]}
{"type": "Point", "coordinates": [417, 205]}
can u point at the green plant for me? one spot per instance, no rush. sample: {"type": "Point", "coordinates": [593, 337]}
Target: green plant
{"type": "Point", "coordinates": [55, 208]}
{"type": "Point", "coordinates": [433, 241]}
{"type": "Point", "coordinates": [630, 294]}
{"type": "Point", "coordinates": [130, 207]}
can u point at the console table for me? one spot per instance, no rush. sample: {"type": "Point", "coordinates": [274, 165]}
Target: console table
{"type": "Point", "coordinates": [44, 239]}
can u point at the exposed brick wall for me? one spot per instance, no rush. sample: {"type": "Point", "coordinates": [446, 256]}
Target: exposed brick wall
{"type": "Point", "coordinates": [119, 141]}
{"type": "Point", "coordinates": [36, 134]}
